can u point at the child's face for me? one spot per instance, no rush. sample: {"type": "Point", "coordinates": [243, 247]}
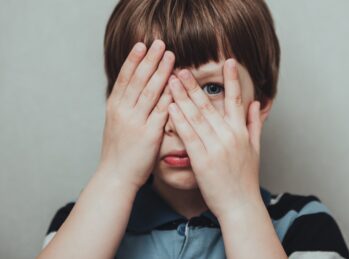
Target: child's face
{"type": "Point", "coordinates": [206, 75]}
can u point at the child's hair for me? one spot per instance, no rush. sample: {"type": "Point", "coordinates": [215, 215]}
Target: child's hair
{"type": "Point", "coordinates": [198, 31]}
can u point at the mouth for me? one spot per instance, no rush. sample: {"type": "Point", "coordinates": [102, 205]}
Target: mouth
{"type": "Point", "coordinates": [177, 159]}
{"type": "Point", "coordinates": [177, 153]}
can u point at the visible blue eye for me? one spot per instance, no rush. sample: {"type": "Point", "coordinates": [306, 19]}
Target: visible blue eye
{"type": "Point", "coordinates": [213, 88]}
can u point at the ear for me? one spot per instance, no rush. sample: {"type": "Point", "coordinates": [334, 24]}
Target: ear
{"type": "Point", "coordinates": [264, 112]}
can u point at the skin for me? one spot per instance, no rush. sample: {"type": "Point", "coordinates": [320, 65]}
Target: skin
{"type": "Point", "coordinates": [178, 186]}
{"type": "Point", "coordinates": [222, 139]}
{"type": "Point", "coordinates": [133, 130]}
{"type": "Point", "coordinates": [136, 115]}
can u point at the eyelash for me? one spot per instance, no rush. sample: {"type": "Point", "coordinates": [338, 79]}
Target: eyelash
{"type": "Point", "coordinates": [215, 84]}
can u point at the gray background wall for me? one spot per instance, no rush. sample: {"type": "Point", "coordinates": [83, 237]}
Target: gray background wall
{"type": "Point", "coordinates": [52, 109]}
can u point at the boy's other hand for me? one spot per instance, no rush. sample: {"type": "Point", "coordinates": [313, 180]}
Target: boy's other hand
{"type": "Point", "coordinates": [136, 113]}
{"type": "Point", "coordinates": [223, 150]}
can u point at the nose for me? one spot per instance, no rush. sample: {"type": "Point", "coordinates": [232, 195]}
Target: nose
{"type": "Point", "coordinates": [169, 127]}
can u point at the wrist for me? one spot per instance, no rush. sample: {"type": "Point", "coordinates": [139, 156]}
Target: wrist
{"type": "Point", "coordinates": [111, 177]}
{"type": "Point", "coordinates": [242, 207]}
{"type": "Point", "coordinates": [249, 225]}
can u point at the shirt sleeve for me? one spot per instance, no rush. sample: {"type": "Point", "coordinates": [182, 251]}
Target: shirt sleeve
{"type": "Point", "coordinates": [315, 236]}
{"type": "Point", "coordinates": [56, 222]}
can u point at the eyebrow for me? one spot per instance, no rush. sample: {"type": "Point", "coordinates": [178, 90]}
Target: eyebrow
{"type": "Point", "coordinates": [210, 73]}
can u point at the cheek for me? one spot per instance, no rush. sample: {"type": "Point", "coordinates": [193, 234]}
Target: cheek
{"type": "Point", "coordinates": [246, 99]}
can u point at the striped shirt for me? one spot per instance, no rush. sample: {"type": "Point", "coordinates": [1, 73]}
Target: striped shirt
{"type": "Point", "coordinates": [305, 227]}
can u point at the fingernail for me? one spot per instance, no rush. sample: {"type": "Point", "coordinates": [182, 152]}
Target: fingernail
{"type": "Point", "coordinates": [231, 63]}
{"type": "Point", "coordinates": [139, 47]}
{"type": "Point", "coordinates": [168, 56]}
{"type": "Point", "coordinates": [158, 44]}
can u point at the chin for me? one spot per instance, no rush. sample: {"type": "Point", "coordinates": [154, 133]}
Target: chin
{"type": "Point", "coordinates": [179, 178]}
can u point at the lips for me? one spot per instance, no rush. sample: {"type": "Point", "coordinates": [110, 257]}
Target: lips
{"type": "Point", "coordinates": [177, 153]}
{"type": "Point", "coordinates": [177, 159]}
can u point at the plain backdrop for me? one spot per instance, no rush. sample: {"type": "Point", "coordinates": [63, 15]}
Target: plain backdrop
{"type": "Point", "coordinates": [52, 109]}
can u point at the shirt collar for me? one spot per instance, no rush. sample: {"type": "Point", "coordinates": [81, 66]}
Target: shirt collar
{"type": "Point", "coordinates": [150, 210]}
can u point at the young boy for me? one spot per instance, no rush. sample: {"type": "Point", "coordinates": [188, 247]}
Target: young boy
{"type": "Point", "coordinates": [179, 168]}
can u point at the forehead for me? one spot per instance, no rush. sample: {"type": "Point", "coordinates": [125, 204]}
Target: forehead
{"type": "Point", "coordinates": [206, 70]}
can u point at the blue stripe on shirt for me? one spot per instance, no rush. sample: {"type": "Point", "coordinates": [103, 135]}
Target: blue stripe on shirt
{"type": "Point", "coordinates": [282, 225]}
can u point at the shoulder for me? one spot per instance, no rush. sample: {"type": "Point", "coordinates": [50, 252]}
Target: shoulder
{"type": "Point", "coordinates": [286, 203]}
{"type": "Point", "coordinates": [306, 226]}
{"type": "Point", "coordinates": [58, 219]}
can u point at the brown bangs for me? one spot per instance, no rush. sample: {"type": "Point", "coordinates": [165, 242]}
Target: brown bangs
{"type": "Point", "coordinates": [197, 31]}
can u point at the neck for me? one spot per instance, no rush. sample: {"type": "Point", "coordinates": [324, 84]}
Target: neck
{"type": "Point", "coordinates": [188, 203]}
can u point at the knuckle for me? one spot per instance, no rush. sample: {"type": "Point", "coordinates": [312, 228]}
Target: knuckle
{"type": "Point", "coordinates": [150, 58]}
{"type": "Point", "coordinates": [135, 57]}
{"type": "Point", "coordinates": [237, 100]}
{"type": "Point", "coordinates": [206, 107]}
{"type": "Point", "coordinates": [197, 118]}
{"type": "Point", "coordinates": [150, 95]}
{"type": "Point", "coordinates": [194, 90]}
{"type": "Point", "coordinates": [122, 79]}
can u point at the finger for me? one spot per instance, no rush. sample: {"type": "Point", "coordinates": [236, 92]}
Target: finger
{"type": "Point", "coordinates": [143, 73]}
{"type": "Point", "coordinates": [193, 145]}
{"type": "Point", "coordinates": [254, 125]}
{"type": "Point", "coordinates": [192, 114]}
{"type": "Point", "coordinates": [233, 105]}
{"type": "Point", "coordinates": [204, 104]}
{"type": "Point", "coordinates": [152, 91]}
{"type": "Point", "coordinates": [127, 69]}
{"type": "Point", "coordinates": [159, 114]}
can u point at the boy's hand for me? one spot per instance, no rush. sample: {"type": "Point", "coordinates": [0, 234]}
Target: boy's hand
{"type": "Point", "coordinates": [224, 151]}
{"type": "Point", "coordinates": [136, 115]}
